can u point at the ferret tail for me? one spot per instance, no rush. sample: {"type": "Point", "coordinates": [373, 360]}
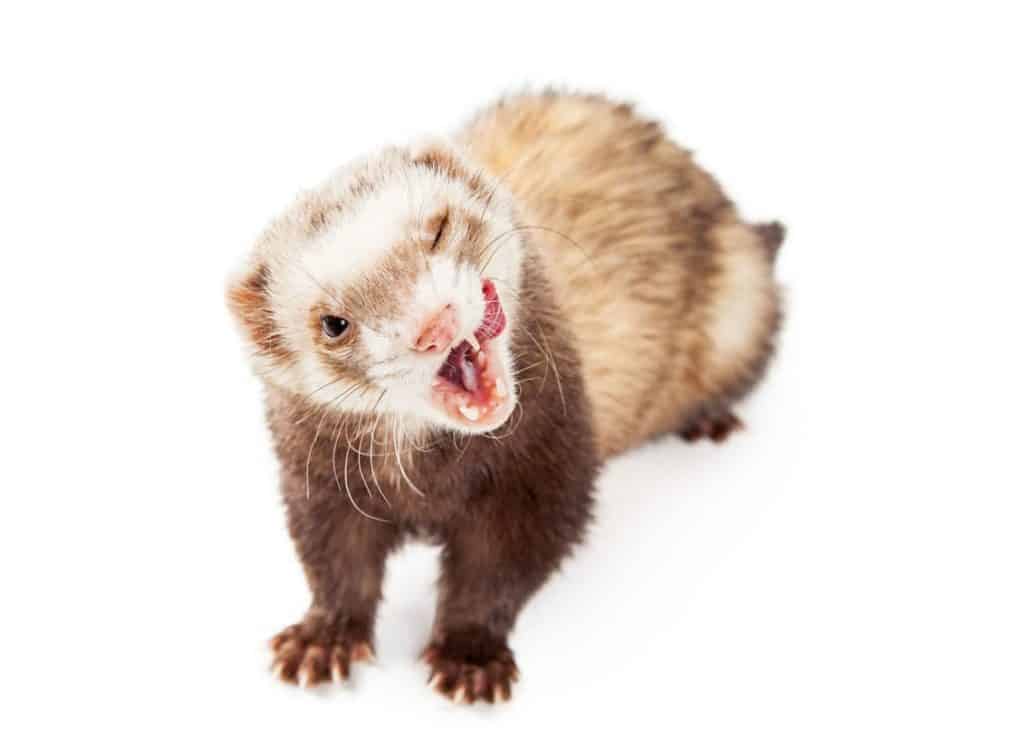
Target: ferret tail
{"type": "Point", "coordinates": [772, 234]}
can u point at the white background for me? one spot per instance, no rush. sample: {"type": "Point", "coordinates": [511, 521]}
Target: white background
{"type": "Point", "coordinates": [851, 566]}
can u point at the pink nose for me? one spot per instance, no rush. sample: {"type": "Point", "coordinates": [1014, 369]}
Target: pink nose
{"type": "Point", "coordinates": [438, 331]}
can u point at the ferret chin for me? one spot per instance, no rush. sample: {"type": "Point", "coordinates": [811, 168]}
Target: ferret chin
{"type": "Point", "coordinates": [454, 335]}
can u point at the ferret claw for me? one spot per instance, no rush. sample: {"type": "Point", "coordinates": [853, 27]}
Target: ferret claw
{"type": "Point", "coordinates": [465, 680]}
{"type": "Point", "coordinates": [308, 655]}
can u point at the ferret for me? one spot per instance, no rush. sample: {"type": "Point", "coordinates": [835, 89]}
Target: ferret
{"type": "Point", "coordinates": [453, 336]}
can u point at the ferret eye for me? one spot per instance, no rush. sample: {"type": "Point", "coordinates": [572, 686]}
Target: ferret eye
{"type": "Point", "coordinates": [333, 326]}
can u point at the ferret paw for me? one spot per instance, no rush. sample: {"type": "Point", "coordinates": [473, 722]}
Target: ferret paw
{"type": "Point", "coordinates": [714, 423]}
{"type": "Point", "coordinates": [319, 650]}
{"type": "Point", "coordinates": [467, 670]}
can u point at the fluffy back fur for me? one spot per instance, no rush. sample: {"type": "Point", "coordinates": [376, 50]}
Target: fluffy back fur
{"type": "Point", "coordinates": [671, 297]}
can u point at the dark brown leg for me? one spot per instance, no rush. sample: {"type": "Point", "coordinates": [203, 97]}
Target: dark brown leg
{"type": "Point", "coordinates": [490, 566]}
{"type": "Point", "coordinates": [344, 555]}
{"type": "Point", "coordinates": [481, 595]}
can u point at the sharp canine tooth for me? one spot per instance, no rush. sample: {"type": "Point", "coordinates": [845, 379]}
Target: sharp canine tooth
{"type": "Point", "coordinates": [499, 387]}
{"type": "Point", "coordinates": [471, 340]}
{"type": "Point", "coordinates": [469, 412]}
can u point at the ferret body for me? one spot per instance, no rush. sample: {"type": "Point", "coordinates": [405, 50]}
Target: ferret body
{"type": "Point", "coordinates": [453, 336]}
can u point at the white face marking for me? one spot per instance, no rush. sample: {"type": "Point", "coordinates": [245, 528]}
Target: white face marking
{"type": "Point", "coordinates": [344, 253]}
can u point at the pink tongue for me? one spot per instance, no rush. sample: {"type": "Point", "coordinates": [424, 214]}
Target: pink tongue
{"type": "Point", "coordinates": [494, 316]}
{"type": "Point", "coordinates": [468, 369]}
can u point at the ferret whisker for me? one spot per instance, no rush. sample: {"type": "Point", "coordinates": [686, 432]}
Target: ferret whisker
{"type": "Point", "coordinates": [373, 439]}
{"type": "Point", "coordinates": [316, 436]}
{"type": "Point", "coordinates": [556, 232]}
{"type": "Point", "coordinates": [351, 498]}
{"type": "Point", "coordinates": [516, 422]}
{"type": "Point", "coordinates": [341, 396]}
{"type": "Point", "coordinates": [512, 424]}
{"type": "Point", "coordinates": [412, 443]}
{"type": "Point", "coordinates": [366, 483]}
{"type": "Point", "coordinates": [462, 450]}
{"type": "Point", "coordinates": [401, 467]}
{"type": "Point", "coordinates": [359, 458]}
{"type": "Point", "coordinates": [535, 227]}
{"type": "Point", "coordinates": [397, 375]}
{"type": "Point", "coordinates": [317, 390]}
{"type": "Point", "coordinates": [487, 203]}
{"type": "Point", "coordinates": [495, 240]}
{"type": "Point", "coordinates": [554, 367]}
{"type": "Point", "coordinates": [348, 489]}
{"type": "Point", "coordinates": [544, 354]}
{"type": "Point", "coordinates": [532, 365]}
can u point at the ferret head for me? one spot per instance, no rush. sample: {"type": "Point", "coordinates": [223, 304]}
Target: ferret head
{"type": "Point", "coordinates": [390, 289]}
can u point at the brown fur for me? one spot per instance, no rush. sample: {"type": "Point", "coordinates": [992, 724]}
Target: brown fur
{"type": "Point", "coordinates": [646, 306]}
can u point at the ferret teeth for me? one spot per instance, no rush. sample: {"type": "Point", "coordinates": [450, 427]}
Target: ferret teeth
{"type": "Point", "coordinates": [469, 412]}
{"type": "Point", "coordinates": [499, 388]}
{"type": "Point", "coordinates": [471, 340]}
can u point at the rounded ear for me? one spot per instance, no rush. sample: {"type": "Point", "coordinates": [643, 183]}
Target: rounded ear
{"type": "Point", "coordinates": [248, 298]}
{"type": "Point", "coordinates": [445, 157]}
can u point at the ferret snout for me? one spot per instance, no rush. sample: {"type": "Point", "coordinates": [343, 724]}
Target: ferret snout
{"type": "Point", "coordinates": [438, 331]}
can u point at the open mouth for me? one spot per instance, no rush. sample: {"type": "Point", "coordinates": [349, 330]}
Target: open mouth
{"type": "Point", "coordinates": [472, 384]}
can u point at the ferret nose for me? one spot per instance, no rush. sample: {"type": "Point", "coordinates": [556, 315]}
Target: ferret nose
{"type": "Point", "coordinates": [438, 331]}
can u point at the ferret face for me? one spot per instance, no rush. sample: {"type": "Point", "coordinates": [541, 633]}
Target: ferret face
{"type": "Point", "coordinates": [390, 290]}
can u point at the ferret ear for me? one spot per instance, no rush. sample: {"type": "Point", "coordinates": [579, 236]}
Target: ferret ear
{"type": "Point", "coordinates": [444, 157]}
{"type": "Point", "coordinates": [248, 299]}
{"type": "Point", "coordinates": [429, 150]}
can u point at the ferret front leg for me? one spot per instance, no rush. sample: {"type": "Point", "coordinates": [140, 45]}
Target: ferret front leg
{"type": "Point", "coordinates": [491, 564]}
{"type": "Point", "coordinates": [344, 555]}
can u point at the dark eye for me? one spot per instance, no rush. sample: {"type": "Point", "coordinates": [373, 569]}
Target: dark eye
{"type": "Point", "coordinates": [334, 326]}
